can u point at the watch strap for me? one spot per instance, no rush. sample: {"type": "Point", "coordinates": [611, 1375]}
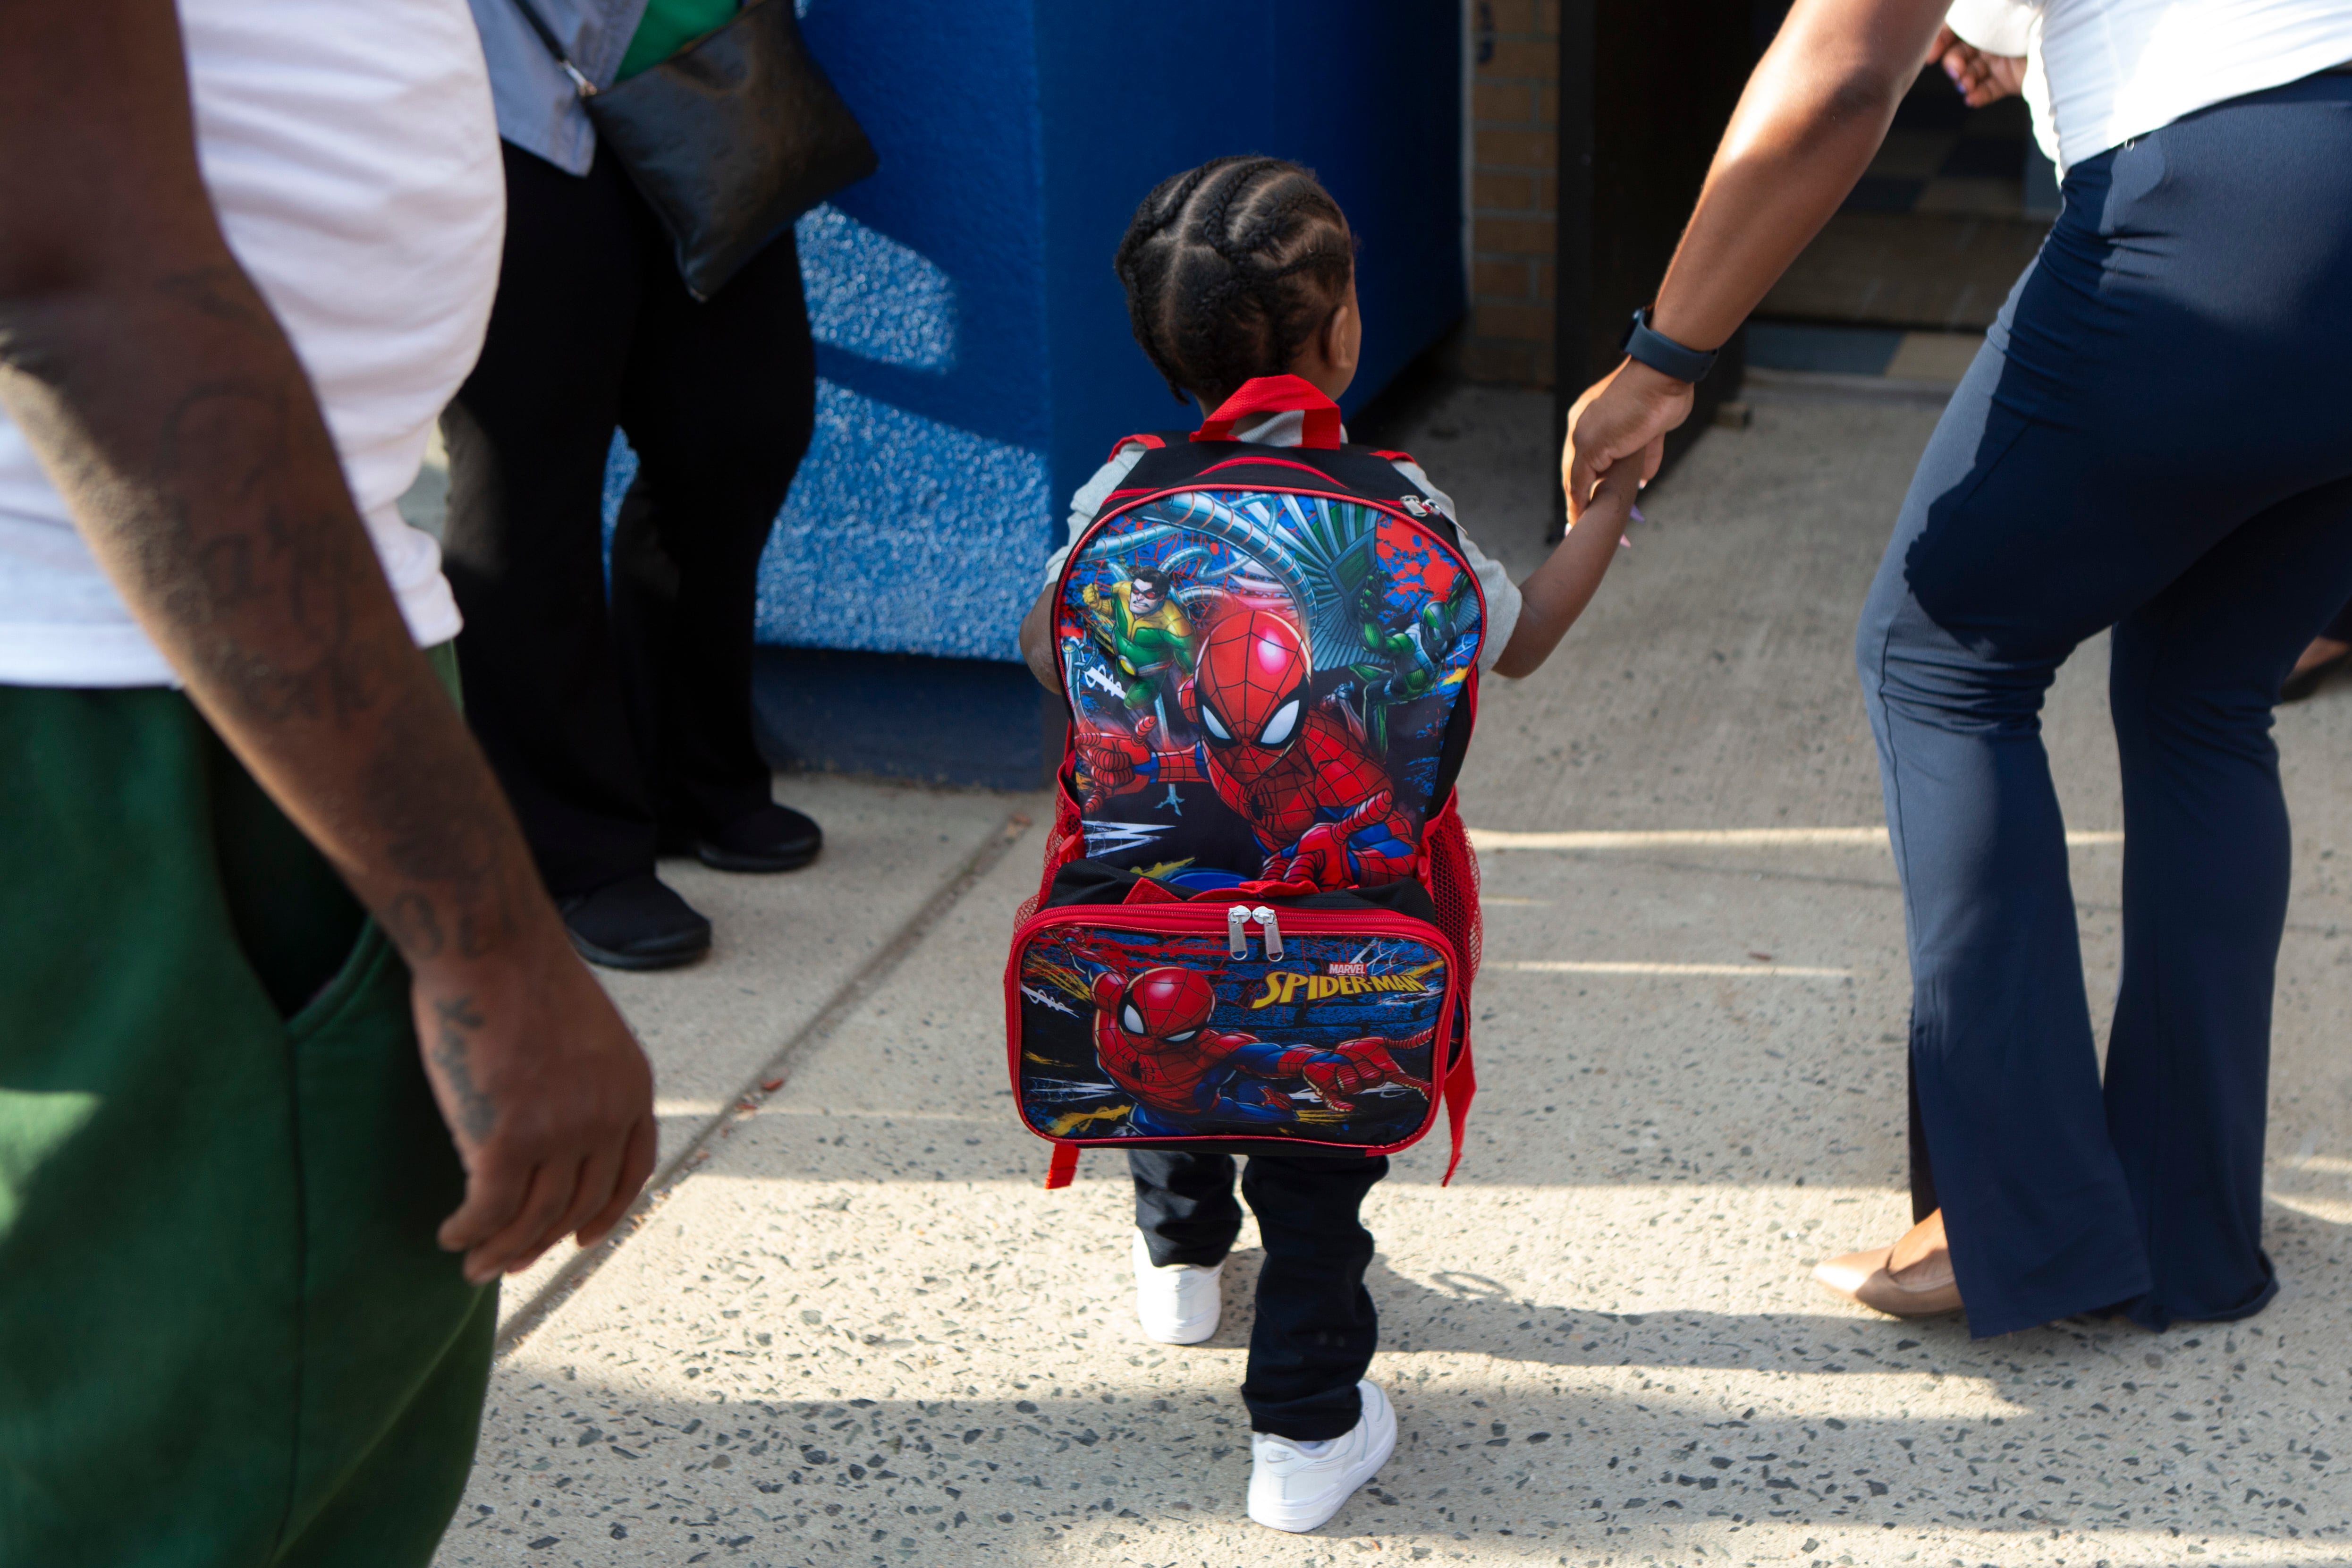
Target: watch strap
{"type": "Point", "coordinates": [1662, 354]}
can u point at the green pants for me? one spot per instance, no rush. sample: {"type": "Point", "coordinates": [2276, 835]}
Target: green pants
{"type": "Point", "coordinates": [228, 1339]}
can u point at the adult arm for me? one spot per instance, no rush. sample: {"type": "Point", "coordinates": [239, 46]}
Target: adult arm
{"type": "Point", "coordinates": [164, 402]}
{"type": "Point", "coordinates": [1812, 115]}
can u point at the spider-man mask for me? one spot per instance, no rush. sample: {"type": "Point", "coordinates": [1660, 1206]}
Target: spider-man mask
{"type": "Point", "coordinates": [1251, 688]}
{"type": "Point", "coordinates": [1168, 1005]}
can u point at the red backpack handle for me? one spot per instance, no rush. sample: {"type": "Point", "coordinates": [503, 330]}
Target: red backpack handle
{"type": "Point", "coordinates": [1275, 394]}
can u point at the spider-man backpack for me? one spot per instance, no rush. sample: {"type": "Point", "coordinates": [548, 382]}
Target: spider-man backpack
{"type": "Point", "coordinates": [1258, 923]}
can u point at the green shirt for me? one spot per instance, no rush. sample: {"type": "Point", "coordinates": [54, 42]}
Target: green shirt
{"type": "Point", "coordinates": [667, 26]}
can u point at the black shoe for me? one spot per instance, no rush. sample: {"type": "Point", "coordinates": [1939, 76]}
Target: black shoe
{"type": "Point", "coordinates": [773, 838]}
{"type": "Point", "coordinates": [637, 922]}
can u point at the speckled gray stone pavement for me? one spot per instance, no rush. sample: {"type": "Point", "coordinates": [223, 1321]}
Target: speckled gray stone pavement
{"type": "Point", "coordinates": [859, 1333]}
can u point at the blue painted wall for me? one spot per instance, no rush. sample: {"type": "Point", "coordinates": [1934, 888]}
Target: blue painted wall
{"type": "Point", "coordinates": [1365, 92]}
{"type": "Point", "coordinates": [973, 352]}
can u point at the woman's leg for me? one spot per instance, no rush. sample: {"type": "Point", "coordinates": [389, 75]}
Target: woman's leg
{"type": "Point", "coordinates": [528, 435]}
{"type": "Point", "coordinates": [2206, 861]}
{"type": "Point", "coordinates": [719, 404]}
{"type": "Point", "coordinates": [2164, 375]}
{"type": "Point", "coordinates": [2002, 1063]}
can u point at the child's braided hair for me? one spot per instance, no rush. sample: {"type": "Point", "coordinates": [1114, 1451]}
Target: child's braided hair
{"type": "Point", "coordinates": [1230, 269]}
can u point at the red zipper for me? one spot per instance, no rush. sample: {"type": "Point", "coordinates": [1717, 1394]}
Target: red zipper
{"type": "Point", "coordinates": [1204, 912]}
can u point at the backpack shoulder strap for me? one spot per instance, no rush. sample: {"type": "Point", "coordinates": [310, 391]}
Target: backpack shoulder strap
{"type": "Point", "coordinates": [1148, 439]}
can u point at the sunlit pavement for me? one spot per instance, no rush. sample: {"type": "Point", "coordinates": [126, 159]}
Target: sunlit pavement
{"type": "Point", "coordinates": [854, 1329]}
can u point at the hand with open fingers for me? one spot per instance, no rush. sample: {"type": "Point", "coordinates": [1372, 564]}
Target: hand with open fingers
{"type": "Point", "coordinates": [1622, 417]}
{"type": "Point", "coordinates": [548, 1095]}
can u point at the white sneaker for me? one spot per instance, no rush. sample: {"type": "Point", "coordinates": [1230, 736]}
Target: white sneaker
{"type": "Point", "coordinates": [1178, 1305]}
{"type": "Point", "coordinates": [1294, 1486]}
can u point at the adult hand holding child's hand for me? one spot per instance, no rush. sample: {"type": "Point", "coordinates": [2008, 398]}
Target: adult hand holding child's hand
{"type": "Point", "coordinates": [1621, 417]}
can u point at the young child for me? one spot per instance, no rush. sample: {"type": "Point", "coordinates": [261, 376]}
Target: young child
{"type": "Point", "coordinates": [1246, 268]}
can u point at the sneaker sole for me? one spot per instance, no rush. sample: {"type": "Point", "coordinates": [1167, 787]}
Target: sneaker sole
{"type": "Point", "coordinates": [1302, 1520]}
{"type": "Point", "coordinates": [1157, 1337]}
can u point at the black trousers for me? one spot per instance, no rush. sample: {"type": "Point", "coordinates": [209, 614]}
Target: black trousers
{"type": "Point", "coordinates": [1316, 1327]}
{"type": "Point", "coordinates": [610, 720]}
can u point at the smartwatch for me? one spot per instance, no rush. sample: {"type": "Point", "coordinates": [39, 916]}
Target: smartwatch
{"type": "Point", "coordinates": [1662, 354]}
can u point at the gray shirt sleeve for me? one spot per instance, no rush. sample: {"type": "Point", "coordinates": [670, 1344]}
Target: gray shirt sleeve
{"type": "Point", "coordinates": [1090, 499]}
{"type": "Point", "coordinates": [539, 110]}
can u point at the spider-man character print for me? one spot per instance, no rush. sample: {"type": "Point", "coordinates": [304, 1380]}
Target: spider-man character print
{"type": "Point", "coordinates": [1153, 1036]}
{"type": "Point", "coordinates": [1321, 804]}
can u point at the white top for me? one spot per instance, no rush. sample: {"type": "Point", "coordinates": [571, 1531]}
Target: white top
{"type": "Point", "coordinates": [349, 150]}
{"type": "Point", "coordinates": [1284, 430]}
{"type": "Point", "coordinates": [2112, 69]}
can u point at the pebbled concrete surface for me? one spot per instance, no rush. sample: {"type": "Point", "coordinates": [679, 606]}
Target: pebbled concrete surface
{"type": "Point", "coordinates": [862, 1334]}
{"type": "Point", "coordinates": [781, 946]}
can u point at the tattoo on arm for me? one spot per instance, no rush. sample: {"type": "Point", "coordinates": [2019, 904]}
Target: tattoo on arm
{"type": "Point", "coordinates": [414, 925]}
{"type": "Point", "coordinates": [453, 1016]}
{"type": "Point", "coordinates": [209, 486]}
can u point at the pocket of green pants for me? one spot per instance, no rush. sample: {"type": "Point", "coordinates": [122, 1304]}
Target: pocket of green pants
{"type": "Point", "coordinates": [384, 1305]}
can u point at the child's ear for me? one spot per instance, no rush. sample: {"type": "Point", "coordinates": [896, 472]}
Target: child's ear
{"type": "Point", "coordinates": [1342, 342]}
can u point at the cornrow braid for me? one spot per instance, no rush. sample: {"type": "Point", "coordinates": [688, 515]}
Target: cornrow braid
{"type": "Point", "coordinates": [1230, 269]}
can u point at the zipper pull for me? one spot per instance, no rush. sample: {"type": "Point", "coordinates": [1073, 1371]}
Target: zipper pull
{"type": "Point", "coordinates": [1264, 917]}
{"type": "Point", "coordinates": [1237, 920]}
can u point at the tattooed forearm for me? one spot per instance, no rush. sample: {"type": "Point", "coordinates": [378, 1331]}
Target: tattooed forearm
{"type": "Point", "coordinates": [453, 1016]}
{"type": "Point", "coordinates": [181, 429]}
{"type": "Point", "coordinates": [220, 292]}
{"type": "Point", "coordinates": [414, 925]}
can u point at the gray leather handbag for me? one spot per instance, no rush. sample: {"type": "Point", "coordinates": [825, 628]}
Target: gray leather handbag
{"type": "Point", "coordinates": [729, 139]}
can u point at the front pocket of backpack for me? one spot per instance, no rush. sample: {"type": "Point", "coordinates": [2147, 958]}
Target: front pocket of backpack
{"type": "Point", "coordinates": [1175, 1024]}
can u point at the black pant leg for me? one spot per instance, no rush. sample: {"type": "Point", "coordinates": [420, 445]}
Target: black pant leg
{"type": "Point", "coordinates": [1184, 1204]}
{"type": "Point", "coordinates": [720, 402]}
{"type": "Point", "coordinates": [1316, 1327]}
{"type": "Point", "coordinates": [528, 436]}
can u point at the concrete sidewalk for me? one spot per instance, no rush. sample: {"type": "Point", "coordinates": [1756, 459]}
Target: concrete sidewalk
{"type": "Point", "coordinates": [859, 1332]}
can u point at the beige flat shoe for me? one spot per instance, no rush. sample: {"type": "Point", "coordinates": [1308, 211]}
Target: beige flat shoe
{"type": "Point", "coordinates": [1922, 1286]}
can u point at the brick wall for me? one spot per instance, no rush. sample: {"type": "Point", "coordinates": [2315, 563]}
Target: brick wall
{"type": "Point", "coordinates": [1514, 128]}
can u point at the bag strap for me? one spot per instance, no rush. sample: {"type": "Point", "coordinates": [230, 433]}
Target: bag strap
{"type": "Point", "coordinates": [1461, 1086]}
{"type": "Point", "coordinates": [580, 82]}
{"type": "Point", "coordinates": [1274, 394]}
{"type": "Point", "coordinates": [1063, 1166]}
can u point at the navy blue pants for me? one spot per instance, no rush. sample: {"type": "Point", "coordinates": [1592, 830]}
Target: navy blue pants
{"type": "Point", "coordinates": [2157, 439]}
{"type": "Point", "coordinates": [1316, 1327]}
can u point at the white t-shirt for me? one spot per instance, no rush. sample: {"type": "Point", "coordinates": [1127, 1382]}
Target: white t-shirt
{"type": "Point", "coordinates": [2101, 72]}
{"type": "Point", "coordinates": [1284, 430]}
{"type": "Point", "coordinates": [351, 152]}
